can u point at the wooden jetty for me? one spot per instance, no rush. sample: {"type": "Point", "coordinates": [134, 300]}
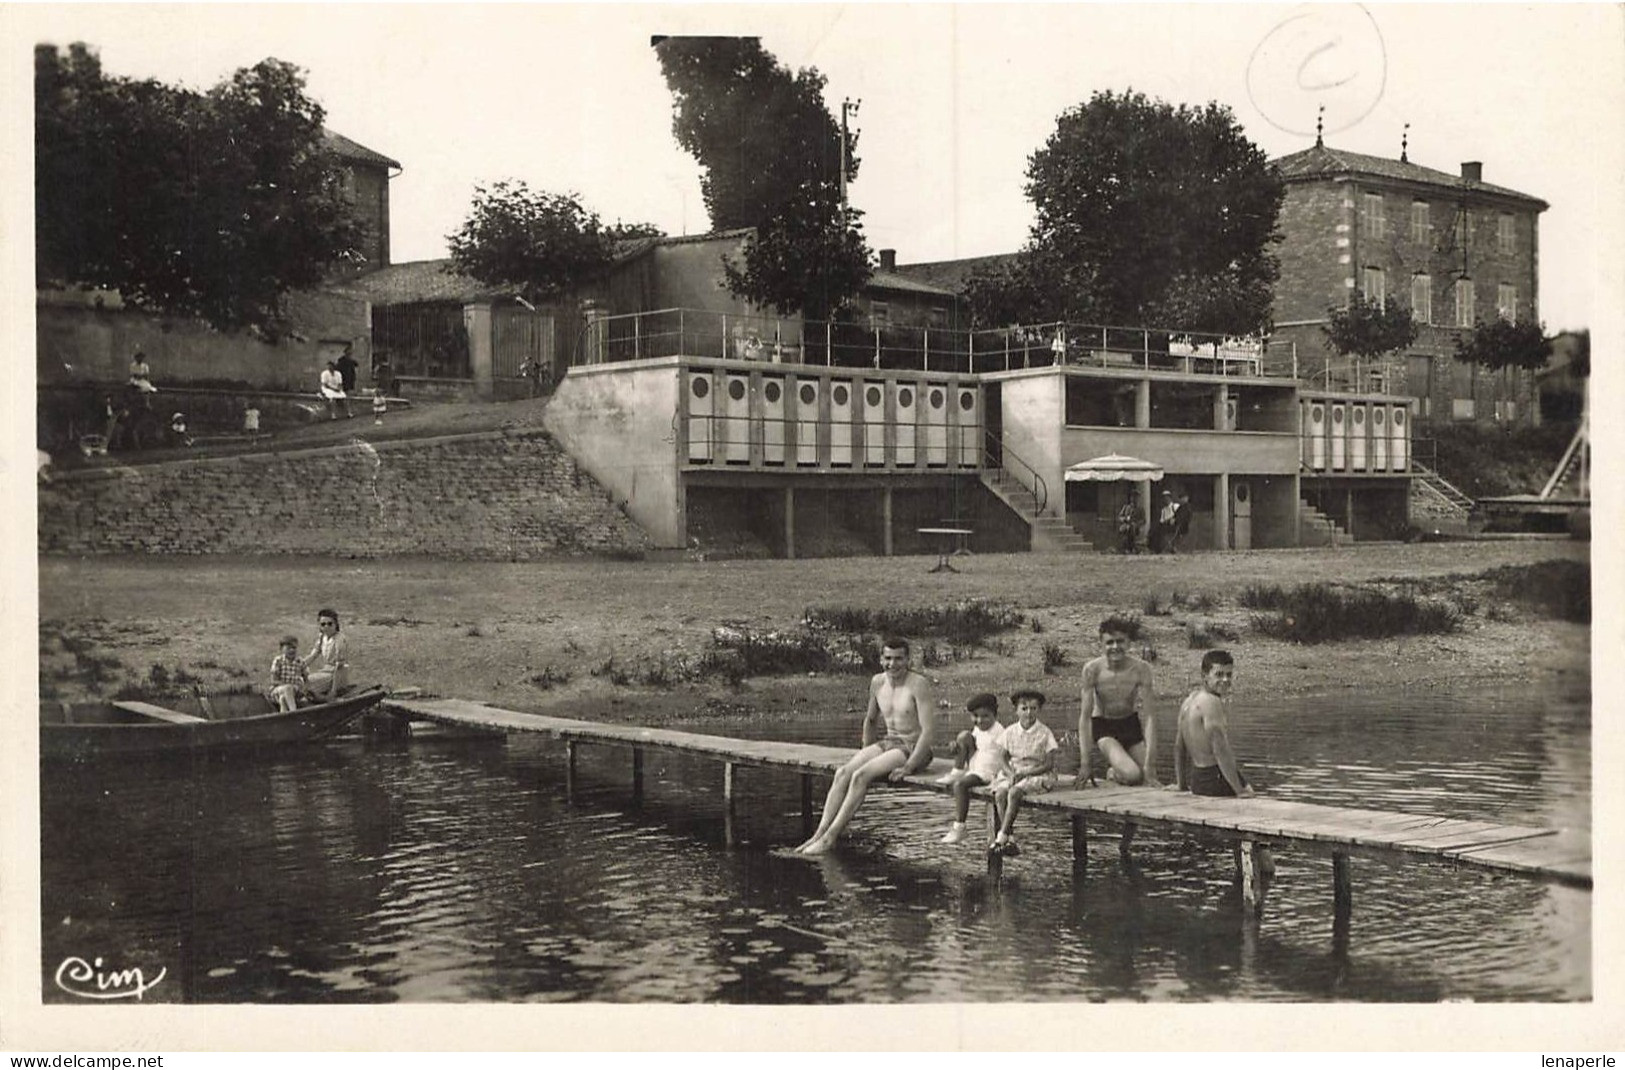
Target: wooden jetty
{"type": "Point", "coordinates": [1249, 824]}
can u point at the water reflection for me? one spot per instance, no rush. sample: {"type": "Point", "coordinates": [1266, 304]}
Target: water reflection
{"type": "Point", "coordinates": [457, 870]}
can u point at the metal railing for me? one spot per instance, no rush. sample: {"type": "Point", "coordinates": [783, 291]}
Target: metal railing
{"type": "Point", "coordinates": [996, 454]}
{"type": "Point", "coordinates": [673, 332]}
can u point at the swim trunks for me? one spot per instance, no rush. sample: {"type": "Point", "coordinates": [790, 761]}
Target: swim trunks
{"type": "Point", "coordinates": [1209, 780]}
{"type": "Point", "coordinates": [897, 743]}
{"type": "Point", "coordinates": [1126, 730]}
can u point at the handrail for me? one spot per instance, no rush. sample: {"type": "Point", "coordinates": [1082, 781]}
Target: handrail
{"type": "Point", "coordinates": [1039, 489]}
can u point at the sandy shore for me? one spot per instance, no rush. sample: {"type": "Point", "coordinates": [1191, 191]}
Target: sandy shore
{"type": "Point", "coordinates": [555, 636]}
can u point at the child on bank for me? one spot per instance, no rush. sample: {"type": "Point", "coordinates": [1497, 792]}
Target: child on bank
{"type": "Point", "coordinates": [288, 675]}
{"type": "Point", "coordinates": [978, 759]}
{"type": "Point", "coordinates": [1031, 747]}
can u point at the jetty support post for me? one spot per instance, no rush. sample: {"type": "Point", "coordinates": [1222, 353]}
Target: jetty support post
{"type": "Point", "coordinates": [806, 804]}
{"type": "Point", "coordinates": [1342, 898]}
{"type": "Point", "coordinates": [569, 770]}
{"type": "Point", "coordinates": [637, 776]}
{"type": "Point", "coordinates": [995, 860]}
{"type": "Point", "coordinates": [1080, 846]}
{"type": "Point", "coordinates": [1127, 842]}
{"type": "Point", "coordinates": [728, 803]}
{"type": "Point", "coordinates": [1251, 891]}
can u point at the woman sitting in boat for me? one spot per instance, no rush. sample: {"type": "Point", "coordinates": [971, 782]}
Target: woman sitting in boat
{"type": "Point", "coordinates": [328, 662]}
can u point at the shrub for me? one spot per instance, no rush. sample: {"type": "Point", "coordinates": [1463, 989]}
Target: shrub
{"type": "Point", "coordinates": [1321, 613]}
{"type": "Point", "coordinates": [966, 623]}
{"type": "Point", "coordinates": [1560, 589]}
{"type": "Point", "coordinates": [548, 678]}
{"type": "Point", "coordinates": [1055, 657]}
{"type": "Point", "coordinates": [1153, 606]}
{"type": "Point", "coordinates": [1263, 596]}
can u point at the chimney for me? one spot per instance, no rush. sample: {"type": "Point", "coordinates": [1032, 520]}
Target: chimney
{"type": "Point", "coordinates": [888, 260]}
{"type": "Point", "coordinates": [1472, 172]}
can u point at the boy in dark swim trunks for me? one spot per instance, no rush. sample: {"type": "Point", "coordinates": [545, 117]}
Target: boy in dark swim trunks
{"type": "Point", "coordinates": [1204, 762]}
{"type": "Point", "coordinates": [1113, 717]}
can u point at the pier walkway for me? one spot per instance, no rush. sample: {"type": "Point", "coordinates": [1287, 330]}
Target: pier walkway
{"type": "Point", "coordinates": [1251, 824]}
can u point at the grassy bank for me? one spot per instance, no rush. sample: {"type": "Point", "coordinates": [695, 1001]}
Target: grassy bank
{"type": "Point", "coordinates": [607, 638]}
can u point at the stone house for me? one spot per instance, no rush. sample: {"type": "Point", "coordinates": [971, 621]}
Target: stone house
{"type": "Point", "coordinates": [1452, 248]}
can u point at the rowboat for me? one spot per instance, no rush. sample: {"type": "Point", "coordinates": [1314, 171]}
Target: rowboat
{"type": "Point", "coordinates": [238, 723]}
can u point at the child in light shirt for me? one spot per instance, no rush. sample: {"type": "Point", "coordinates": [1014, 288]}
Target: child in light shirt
{"type": "Point", "coordinates": [288, 675]}
{"type": "Point", "coordinates": [1031, 747]}
{"type": "Point", "coordinates": [978, 759]}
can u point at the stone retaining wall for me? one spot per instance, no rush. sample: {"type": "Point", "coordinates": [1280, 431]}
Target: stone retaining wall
{"type": "Point", "coordinates": [493, 496]}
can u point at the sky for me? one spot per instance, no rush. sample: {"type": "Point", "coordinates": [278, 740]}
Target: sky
{"type": "Point", "coordinates": [951, 101]}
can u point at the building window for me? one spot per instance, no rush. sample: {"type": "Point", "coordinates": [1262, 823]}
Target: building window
{"type": "Point", "coordinates": [1371, 220]}
{"type": "Point", "coordinates": [1506, 302]}
{"type": "Point", "coordinates": [1461, 408]}
{"type": "Point", "coordinates": [1422, 298]}
{"type": "Point", "coordinates": [1420, 225]}
{"type": "Point", "coordinates": [1376, 285]}
{"type": "Point", "coordinates": [939, 317]}
{"type": "Point", "coordinates": [879, 314]}
{"type": "Point", "coordinates": [1506, 235]}
{"type": "Point", "coordinates": [1464, 302]}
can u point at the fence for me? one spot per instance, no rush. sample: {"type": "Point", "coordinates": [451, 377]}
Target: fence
{"type": "Point", "coordinates": [697, 333]}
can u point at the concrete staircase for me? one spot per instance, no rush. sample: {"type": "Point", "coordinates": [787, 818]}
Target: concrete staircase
{"type": "Point", "coordinates": [1318, 529]}
{"type": "Point", "coordinates": [1443, 488]}
{"type": "Point", "coordinates": [1051, 534]}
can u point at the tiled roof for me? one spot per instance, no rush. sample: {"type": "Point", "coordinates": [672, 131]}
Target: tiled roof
{"type": "Point", "coordinates": [895, 280]}
{"type": "Point", "coordinates": [1320, 161]}
{"type": "Point", "coordinates": [352, 150]}
{"type": "Point", "coordinates": [417, 280]}
{"type": "Point", "coordinates": [949, 275]}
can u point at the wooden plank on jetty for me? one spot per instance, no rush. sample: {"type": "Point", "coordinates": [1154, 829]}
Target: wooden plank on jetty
{"type": "Point", "coordinates": [1338, 831]}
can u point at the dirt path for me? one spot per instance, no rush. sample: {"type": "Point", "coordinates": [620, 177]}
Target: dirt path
{"type": "Point", "coordinates": [557, 636]}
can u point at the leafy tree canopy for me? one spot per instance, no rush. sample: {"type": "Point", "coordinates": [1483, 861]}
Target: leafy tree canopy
{"type": "Point", "coordinates": [1364, 328]}
{"type": "Point", "coordinates": [771, 158]}
{"type": "Point", "coordinates": [210, 204]}
{"type": "Point", "coordinates": [546, 244]}
{"type": "Point", "coordinates": [1503, 344]}
{"type": "Point", "coordinates": [1152, 214]}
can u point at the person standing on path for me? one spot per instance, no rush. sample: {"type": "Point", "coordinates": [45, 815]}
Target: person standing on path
{"type": "Point", "coordinates": [346, 366]}
{"type": "Point", "coordinates": [333, 392]}
{"type": "Point", "coordinates": [898, 729]}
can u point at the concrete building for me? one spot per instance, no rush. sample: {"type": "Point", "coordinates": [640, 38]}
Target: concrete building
{"type": "Point", "coordinates": [1452, 248]}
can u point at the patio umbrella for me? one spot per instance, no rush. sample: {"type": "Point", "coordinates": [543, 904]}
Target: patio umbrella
{"type": "Point", "coordinates": [1112, 468]}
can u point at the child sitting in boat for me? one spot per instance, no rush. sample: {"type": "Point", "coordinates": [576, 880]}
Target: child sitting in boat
{"type": "Point", "coordinates": [288, 675]}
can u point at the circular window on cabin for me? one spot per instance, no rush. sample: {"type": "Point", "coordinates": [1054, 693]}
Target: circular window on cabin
{"type": "Point", "coordinates": [936, 399]}
{"type": "Point", "coordinates": [872, 395]}
{"type": "Point", "coordinates": [701, 387]}
{"type": "Point", "coordinates": [1359, 416]}
{"type": "Point", "coordinates": [736, 389]}
{"type": "Point", "coordinates": [1399, 417]}
{"type": "Point", "coordinates": [1377, 417]}
{"type": "Point", "coordinates": [808, 394]}
{"type": "Point", "coordinates": [1316, 415]}
{"type": "Point", "coordinates": [967, 400]}
{"type": "Point", "coordinates": [1337, 416]}
{"type": "Point", "coordinates": [905, 397]}
{"type": "Point", "coordinates": [840, 395]}
{"type": "Point", "coordinates": [1241, 492]}
{"type": "Point", "coordinates": [772, 391]}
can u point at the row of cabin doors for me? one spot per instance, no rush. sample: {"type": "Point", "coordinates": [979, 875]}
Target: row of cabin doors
{"type": "Point", "coordinates": [1357, 437]}
{"type": "Point", "coordinates": [721, 419]}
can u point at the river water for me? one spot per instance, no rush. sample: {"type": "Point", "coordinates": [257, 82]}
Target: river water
{"type": "Point", "coordinates": [454, 869]}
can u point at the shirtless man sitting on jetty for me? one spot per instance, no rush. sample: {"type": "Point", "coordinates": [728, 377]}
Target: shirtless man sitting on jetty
{"type": "Point", "coordinates": [897, 731]}
{"type": "Point", "coordinates": [1115, 688]}
{"type": "Point", "coordinates": [1204, 762]}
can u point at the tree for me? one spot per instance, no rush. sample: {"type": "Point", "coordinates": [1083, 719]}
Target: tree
{"type": "Point", "coordinates": [1503, 344]}
{"type": "Point", "coordinates": [546, 244]}
{"type": "Point", "coordinates": [771, 158]}
{"type": "Point", "coordinates": [214, 205]}
{"type": "Point", "coordinates": [1364, 328]}
{"type": "Point", "coordinates": [1152, 214]}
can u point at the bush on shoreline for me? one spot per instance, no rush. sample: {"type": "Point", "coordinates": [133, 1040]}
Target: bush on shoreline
{"type": "Point", "coordinates": [1321, 613]}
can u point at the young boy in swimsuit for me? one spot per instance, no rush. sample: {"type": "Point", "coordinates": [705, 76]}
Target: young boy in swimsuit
{"type": "Point", "coordinates": [978, 759]}
{"type": "Point", "coordinates": [1031, 747]}
{"type": "Point", "coordinates": [898, 729]}
{"type": "Point", "coordinates": [1116, 686]}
